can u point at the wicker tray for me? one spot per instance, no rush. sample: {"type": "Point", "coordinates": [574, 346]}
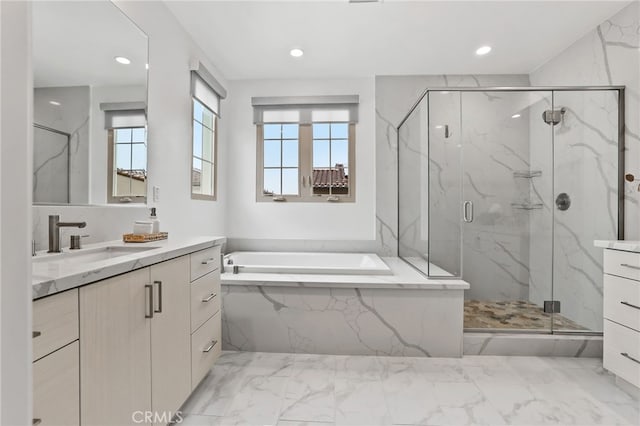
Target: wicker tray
{"type": "Point", "coordinates": [144, 238]}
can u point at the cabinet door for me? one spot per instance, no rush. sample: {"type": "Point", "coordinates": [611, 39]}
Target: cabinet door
{"type": "Point", "coordinates": [170, 337]}
{"type": "Point", "coordinates": [115, 359]}
{"type": "Point", "coordinates": [56, 388]}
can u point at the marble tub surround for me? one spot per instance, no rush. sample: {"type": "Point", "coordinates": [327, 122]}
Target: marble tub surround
{"type": "Point", "coordinates": [345, 321]}
{"type": "Point", "coordinates": [404, 276]}
{"type": "Point", "coordinates": [623, 245]}
{"type": "Point", "coordinates": [294, 389]}
{"type": "Point", "coordinates": [50, 277]}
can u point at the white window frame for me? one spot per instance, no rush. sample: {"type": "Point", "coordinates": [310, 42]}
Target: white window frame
{"type": "Point", "coordinates": [305, 111]}
{"type": "Point", "coordinates": [214, 159]}
{"type": "Point", "coordinates": [305, 168]}
{"type": "Point", "coordinates": [208, 92]}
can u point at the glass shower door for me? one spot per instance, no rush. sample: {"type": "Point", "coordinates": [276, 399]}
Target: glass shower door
{"type": "Point", "coordinates": [506, 181]}
{"type": "Point", "coordinates": [586, 201]}
{"type": "Point", "coordinates": [445, 184]}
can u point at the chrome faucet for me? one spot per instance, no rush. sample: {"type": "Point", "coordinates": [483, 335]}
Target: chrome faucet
{"type": "Point", "coordinates": [54, 231]}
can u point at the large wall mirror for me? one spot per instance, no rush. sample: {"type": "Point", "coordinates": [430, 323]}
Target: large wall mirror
{"type": "Point", "coordinates": [90, 65]}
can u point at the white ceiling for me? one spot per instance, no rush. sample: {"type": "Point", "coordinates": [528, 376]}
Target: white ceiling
{"type": "Point", "coordinates": [252, 39]}
{"type": "Point", "coordinates": [74, 44]}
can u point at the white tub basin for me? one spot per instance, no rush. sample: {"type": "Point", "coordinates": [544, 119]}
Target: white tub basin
{"type": "Point", "coordinates": [306, 263]}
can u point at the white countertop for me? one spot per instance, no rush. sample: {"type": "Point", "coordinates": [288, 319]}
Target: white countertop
{"type": "Point", "coordinates": [624, 245]}
{"type": "Point", "coordinates": [53, 277]}
{"type": "Point", "coordinates": [404, 276]}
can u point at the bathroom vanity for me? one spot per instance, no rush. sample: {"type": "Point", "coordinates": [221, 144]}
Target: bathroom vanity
{"type": "Point", "coordinates": [123, 333]}
{"type": "Point", "coordinates": [622, 311]}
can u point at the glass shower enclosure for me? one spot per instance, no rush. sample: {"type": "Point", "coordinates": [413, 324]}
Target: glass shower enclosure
{"type": "Point", "coordinates": [506, 188]}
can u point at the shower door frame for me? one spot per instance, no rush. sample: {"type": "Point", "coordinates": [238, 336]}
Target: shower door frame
{"type": "Point", "coordinates": [621, 173]}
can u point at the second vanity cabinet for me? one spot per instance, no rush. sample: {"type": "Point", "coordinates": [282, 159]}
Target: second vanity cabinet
{"type": "Point", "coordinates": [622, 315]}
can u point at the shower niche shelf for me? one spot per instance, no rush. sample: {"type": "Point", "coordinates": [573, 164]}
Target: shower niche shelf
{"type": "Point", "coordinates": [527, 206]}
{"type": "Point", "coordinates": [527, 174]}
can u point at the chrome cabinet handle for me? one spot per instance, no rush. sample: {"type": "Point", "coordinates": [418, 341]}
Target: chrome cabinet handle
{"type": "Point", "coordinates": [467, 211]}
{"type": "Point", "coordinates": [626, 355]}
{"type": "Point", "coordinates": [159, 310]}
{"type": "Point", "coordinates": [208, 298]}
{"type": "Point", "coordinates": [208, 261]}
{"type": "Point", "coordinates": [213, 343]}
{"type": "Point", "coordinates": [149, 290]}
{"type": "Point", "coordinates": [35, 334]}
{"type": "Point", "coordinates": [626, 265]}
{"type": "Point", "coordinates": [630, 305]}
{"type": "Point", "coordinates": [36, 422]}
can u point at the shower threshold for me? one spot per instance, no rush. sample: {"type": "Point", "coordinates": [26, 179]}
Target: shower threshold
{"type": "Point", "coordinates": [516, 315]}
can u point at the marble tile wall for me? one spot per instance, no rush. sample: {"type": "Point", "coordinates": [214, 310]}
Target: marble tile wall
{"type": "Point", "coordinates": [586, 160]}
{"type": "Point", "coordinates": [335, 321]}
{"type": "Point", "coordinates": [51, 157]}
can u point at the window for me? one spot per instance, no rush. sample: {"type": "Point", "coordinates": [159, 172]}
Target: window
{"type": "Point", "coordinates": [330, 158]}
{"type": "Point", "coordinates": [206, 93]}
{"type": "Point", "coordinates": [281, 160]}
{"type": "Point", "coordinates": [204, 147]}
{"type": "Point", "coordinates": [306, 151]}
{"type": "Point", "coordinates": [127, 152]}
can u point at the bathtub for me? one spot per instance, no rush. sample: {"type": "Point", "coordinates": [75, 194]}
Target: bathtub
{"type": "Point", "coordinates": [306, 263]}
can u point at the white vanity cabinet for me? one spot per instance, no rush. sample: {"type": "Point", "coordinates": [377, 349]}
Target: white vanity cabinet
{"type": "Point", "coordinates": [56, 367]}
{"type": "Point", "coordinates": [136, 344]}
{"type": "Point", "coordinates": [622, 314]}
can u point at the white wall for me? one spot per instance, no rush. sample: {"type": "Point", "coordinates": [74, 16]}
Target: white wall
{"type": "Point", "coordinates": [169, 141]}
{"type": "Point", "coordinates": [296, 221]}
{"type": "Point", "coordinates": [16, 92]}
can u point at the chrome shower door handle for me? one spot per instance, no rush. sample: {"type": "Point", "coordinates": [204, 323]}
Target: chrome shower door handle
{"type": "Point", "coordinates": [467, 211]}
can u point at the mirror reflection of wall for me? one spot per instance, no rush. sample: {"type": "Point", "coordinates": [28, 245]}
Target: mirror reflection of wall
{"type": "Point", "coordinates": [90, 89]}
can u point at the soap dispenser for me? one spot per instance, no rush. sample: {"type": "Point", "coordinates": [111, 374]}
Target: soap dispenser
{"type": "Point", "coordinates": [154, 221]}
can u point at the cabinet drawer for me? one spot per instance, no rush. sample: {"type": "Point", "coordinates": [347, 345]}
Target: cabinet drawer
{"type": "Point", "coordinates": [622, 352]}
{"type": "Point", "coordinates": [204, 261]}
{"type": "Point", "coordinates": [622, 263]}
{"type": "Point", "coordinates": [205, 298]}
{"type": "Point", "coordinates": [55, 322]}
{"type": "Point", "coordinates": [622, 301]}
{"type": "Point", "coordinates": [56, 388]}
{"type": "Point", "coordinates": [206, 346]}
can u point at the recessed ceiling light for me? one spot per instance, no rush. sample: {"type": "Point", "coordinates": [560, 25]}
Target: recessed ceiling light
{"type": "Point", "coordinates": [515, 116]}
{"type": "Point", "coordinates": [56, 103]}
{"type": "Point", "coordinates": [483, 50]}
{"type": "Point", "coordinates": [122, 60]}
{"type": "Point", "coordinates": [296, 53]}
{"type": "Point", "coordinates": [439, 126]}
{"type": "Point", "coordinates": [146, 66]}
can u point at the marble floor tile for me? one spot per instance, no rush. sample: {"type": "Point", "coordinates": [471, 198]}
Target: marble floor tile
{"type": "Point", "coordinates": [257, 389]}
{"type": "Point", "coordinates": [361, 402]}
{"type": "Point", "coordinates": [258, 401]}
{"type": "Point", "coordinates": [359, 367]}
{"type": "Point", "coordinates": [310, 391]}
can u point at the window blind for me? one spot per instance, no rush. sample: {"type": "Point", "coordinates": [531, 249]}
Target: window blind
{"type": "Point", "coordinates": [205, 88]}
{"type": "Point", "coordinates": [124, 114]}
{"type": "Point", "coordinates": [305, 109]}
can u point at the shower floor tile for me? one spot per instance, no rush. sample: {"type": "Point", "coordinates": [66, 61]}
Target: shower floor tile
{"type": "Point", "coordinates": [516, 314]}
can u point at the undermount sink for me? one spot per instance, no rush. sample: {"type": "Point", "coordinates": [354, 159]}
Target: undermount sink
{"type": "Point", "coordinates": [91, 254]}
